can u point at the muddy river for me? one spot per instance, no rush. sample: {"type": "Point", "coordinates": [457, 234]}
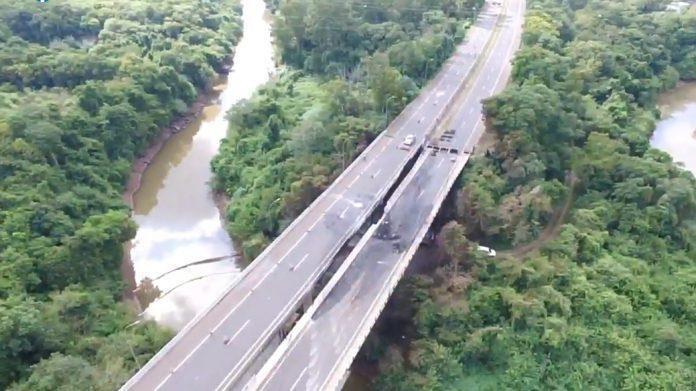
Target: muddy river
{"type": "Point", "coordinates": [177, 216]}
{"type": "Point", "coordinates": [676, 132]}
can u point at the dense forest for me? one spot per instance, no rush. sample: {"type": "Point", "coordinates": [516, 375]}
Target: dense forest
{"type": "Point", "coordinates": [351, 67]}
{"type": "Point", "coordinates": [84, 87]}
{"type": "Point", "coordinates": [607, 299]}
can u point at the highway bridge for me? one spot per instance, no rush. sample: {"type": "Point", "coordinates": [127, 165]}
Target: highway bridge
{"type": "Point", "coordinates": [223, 346]}
{"type": "Point", "coordinates": [318, 352]}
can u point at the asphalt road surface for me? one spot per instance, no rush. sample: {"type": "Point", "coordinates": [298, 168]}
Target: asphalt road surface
{"type": "Point", "coordinates": [317, 355]}
{"type": "Point", "coordinates": [217, 346]}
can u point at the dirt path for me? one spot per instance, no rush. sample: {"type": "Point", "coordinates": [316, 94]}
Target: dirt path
{"type": "Point", "coordinates": [552, 229]}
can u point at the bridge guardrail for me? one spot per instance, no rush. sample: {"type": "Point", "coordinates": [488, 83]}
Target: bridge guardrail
{"type": "Point", "coordinates": [259, 259]}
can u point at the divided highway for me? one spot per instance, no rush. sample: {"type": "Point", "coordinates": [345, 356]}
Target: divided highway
{"type": "Point", "coordinates": [218, 346]}
{"type": "Point", "coordinates": [318, 352]}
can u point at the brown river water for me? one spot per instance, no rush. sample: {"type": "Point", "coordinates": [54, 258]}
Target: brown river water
{"type": "Point", "coordinates": [177, 215]}
{"type": "Point", "coordinates": [676, 132]}
{"type": "Point", "coordinates": [178, 220]}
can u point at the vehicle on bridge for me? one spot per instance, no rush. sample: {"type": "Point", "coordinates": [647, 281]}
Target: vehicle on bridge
{"type": "Point", "coordinates": [409, 140]}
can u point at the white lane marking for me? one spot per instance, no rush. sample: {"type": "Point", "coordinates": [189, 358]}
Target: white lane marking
{"type": "Point", "coordinates": [442, 76]}
{"type": "Point", "coordinates": [343, 214]}
{"type": "Point", "coordinates": [369, 164]}
{"type": "Point", "coordinates": [510, 49]}
{"type": "Point", "coordinates": [376, 173]}
{"type": "Point", "coordinates": [297, 242]}
{"type": "Point", "coordinates": [441, 161]}
{"type": "Point", "coordinates": [484, 85]}
{"type": "Point", "coordinates": [311, 227]}
{"type": "Point", "coordinates": [361, 324]}
{"type": "Point", "coordinates": [229, 340]}
{"type": "Point", "coordinates": [165, 379]}
{"type": "Point", "coordinates": [353, 181]}
{"type": "Point", "coordinates": [413, 115]}
{"type": "Point", "coordinates": [191, 353]}
{"type": "Point", "coordinates": [354, 204]}
{"type": "Point", "coordinates": [420, 194]}
{"type": "Point", "coordinates": [497, 80]}
{"type": "Point", "coordinates": [217, 326]}
{"type": "Point", "coordinates": [264, 277]}
{"type": "Point", "coordinates": [338, 198]}
{"type": "Point", "coordinates": [303, 259]}
{"type": "Point", "coordinates": [204, 340]}
{"type": "Point", "coordinates": [292, 388]}
{"type": "Point", "coordinates": [233, 372]}
{"type": "Point", "coordinates": [295, 266]}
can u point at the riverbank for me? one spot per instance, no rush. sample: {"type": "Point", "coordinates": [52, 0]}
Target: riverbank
{"type": "Point", "coordinates": [675, 133]}
{"type": "Point", "coordinates": [220, 198]}
{"type": "Point", "coordinates": [177, 213]}
{"type": "Point", "coordinates": [74, 115]}
{"type": "Point", "coordinates": [141, 164]}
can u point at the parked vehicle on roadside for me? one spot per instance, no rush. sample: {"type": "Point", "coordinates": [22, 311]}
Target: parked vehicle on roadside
{"type": "Point", "coordinates": [487, 250]}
